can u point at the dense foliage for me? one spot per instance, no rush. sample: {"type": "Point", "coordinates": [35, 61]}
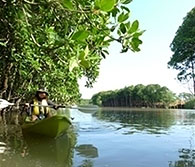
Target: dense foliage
{"type": "Point", "coordinates": [183, 46]}
{"type": "Point", "coordinates": [188, 100]}
{"type": "Point", "coordinates": [52, 43]}
{"type": "Point", "coordinates": [185, 96]}
{"type": "Point", "coordinates": [152, 95]}
{"type": "Point", "coordinates": [190, 104]}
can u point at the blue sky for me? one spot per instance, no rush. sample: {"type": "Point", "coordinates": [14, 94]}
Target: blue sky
{"type": "Point", "coordinates": [160, 19]}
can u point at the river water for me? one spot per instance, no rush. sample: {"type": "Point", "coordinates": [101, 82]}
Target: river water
{"type": "Point", "coordinates": [106, 138]}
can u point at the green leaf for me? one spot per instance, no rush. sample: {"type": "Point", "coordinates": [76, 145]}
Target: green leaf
{"type": "Point", "coordinates": [137, 34]}
{"type": "Point", "coordinates": [125, 8]}
{"type": "Point", "coordinates": [135, 44]}
{"type": "Point", "coordinates": [65, 28]}
{"type": "Point", "coordinates": [73, 64]}
{"type": "Point", "coordinates": [136, 41]}
{"type": "Point", "coordinates": [2, 44]}
{"type": "Point", "coordinates": [51, 35]}
{"type": "Point", "coordinates": [128, 25]}
{"type": "Point", "coordinates": [112, 28]}
{"type": "Point", "coordinates": [126, 1]}
{"type": "Point", "coordinates": [80, 35]}
{"type": "Point", "coordinates": [103, 54]}
{"type": "Point", "coordinates": [105, 5]}
{"type": "Point", "coordinates": [86, 51]}
{"type": "Point", "coordinates": [82, 56]}
{"type": "Point", "coordinates": [123, 17]}
{"type": "Point", "coordinates": [67, 4]}
{"type": "Point", "coordinates": [23, 73]}
{"type": "Point", "coordinates": [134, 27]}
{"type": "Point", "coordinates": [105, 51]}
{"type": "Point", "coordinates": [134, 47]}
{"type": "Point", "coordinates": [115, 11]}
{"type": "Point", "coordinates": [122, 28]}
{"type": "Point", "coordinates": [85, 64]}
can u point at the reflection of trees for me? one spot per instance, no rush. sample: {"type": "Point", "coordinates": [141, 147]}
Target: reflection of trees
{"type": "Point", "coordinates": [48, 151]}
{"type": "Point", "coordinates": [35, 150]}
{"type": "Point", "coordinates": [187, 159]}
{"type": "Point", "coordinates": [151, 120]}
{"type": "Point", "coordinates": [87, 151]}
{"type": "Point", "coordinates": [189, 118]}
{"type": "Point", "coordinates": [12, 138]}
{"type": "Point", "coordinates": [87, 163]}
{"type": "Point", "coordinates": [186, 155]}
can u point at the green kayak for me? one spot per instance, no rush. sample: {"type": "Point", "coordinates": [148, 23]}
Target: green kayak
{"type": "Point", "coordinates": [52, 127]}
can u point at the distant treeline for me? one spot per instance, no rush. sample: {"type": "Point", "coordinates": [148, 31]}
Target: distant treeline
{"type": "Point", "coordinates": [152, 95]}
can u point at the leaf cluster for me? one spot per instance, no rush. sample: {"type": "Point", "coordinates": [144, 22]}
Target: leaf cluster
{"type": "Point", "coordinates": [52, 43]}
{"type": "Point", "coordinates": [152, 95]}
{"type": "Point", "coordinates": [183, 47]}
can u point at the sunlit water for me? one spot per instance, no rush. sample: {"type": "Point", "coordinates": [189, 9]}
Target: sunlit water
{"type": "Point", "coordinates": [107, 138]}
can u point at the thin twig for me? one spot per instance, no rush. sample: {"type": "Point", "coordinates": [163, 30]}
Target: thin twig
{"type": "Point", "coordinates": [25, 16]}
{"type": "Point", "coordinates": [35, 40]}
{"type": "Point", "coordinates": [32, 3]}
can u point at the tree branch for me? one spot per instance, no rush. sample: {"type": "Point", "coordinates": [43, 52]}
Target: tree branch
{"type": "Point", "coordinates": [32, 3]}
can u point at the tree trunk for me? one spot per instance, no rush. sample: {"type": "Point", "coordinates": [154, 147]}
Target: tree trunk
{"type": "Point", "coordinates": [4, 87]}
{"type": "Point", "coordinates": [193, 78]}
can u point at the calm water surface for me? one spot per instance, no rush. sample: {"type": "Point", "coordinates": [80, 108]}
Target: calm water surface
{"type": "Point", "coordinates": [106, 138]}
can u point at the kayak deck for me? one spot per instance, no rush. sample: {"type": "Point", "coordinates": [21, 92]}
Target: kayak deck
{"type": "Point", "coordinates": [53, 126]}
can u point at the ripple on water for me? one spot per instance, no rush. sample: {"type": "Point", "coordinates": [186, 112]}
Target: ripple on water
{"type": "Point", "coordinates": [85, 122]}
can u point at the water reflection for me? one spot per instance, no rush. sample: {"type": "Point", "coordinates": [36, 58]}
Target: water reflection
{"type": "Point", "coordinates": [186, 158]}
{"type": "Point", "coordinates": [48, 151]}
{"type": "Point", "coordinates": [87, 150]}
{"type": "Point", "coordinates": [87, 163]}
{"type": "Point", "coordinates": [186, 155]}
{"type": "Point", "coordinates": [109, 138]}
{"type": "Point", "coordinates": [34, 151]}
{"type": "Point", "coordinates": [12, 143]}
{"type": "Point", "coordinates": [152, 121]}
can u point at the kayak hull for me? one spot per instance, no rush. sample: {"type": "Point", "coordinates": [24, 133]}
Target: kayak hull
{"type": "Point", "coordinates": [52, 127]}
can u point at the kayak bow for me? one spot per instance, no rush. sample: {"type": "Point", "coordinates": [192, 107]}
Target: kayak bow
{"type": "Point", "coordinates": [53, 126]}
